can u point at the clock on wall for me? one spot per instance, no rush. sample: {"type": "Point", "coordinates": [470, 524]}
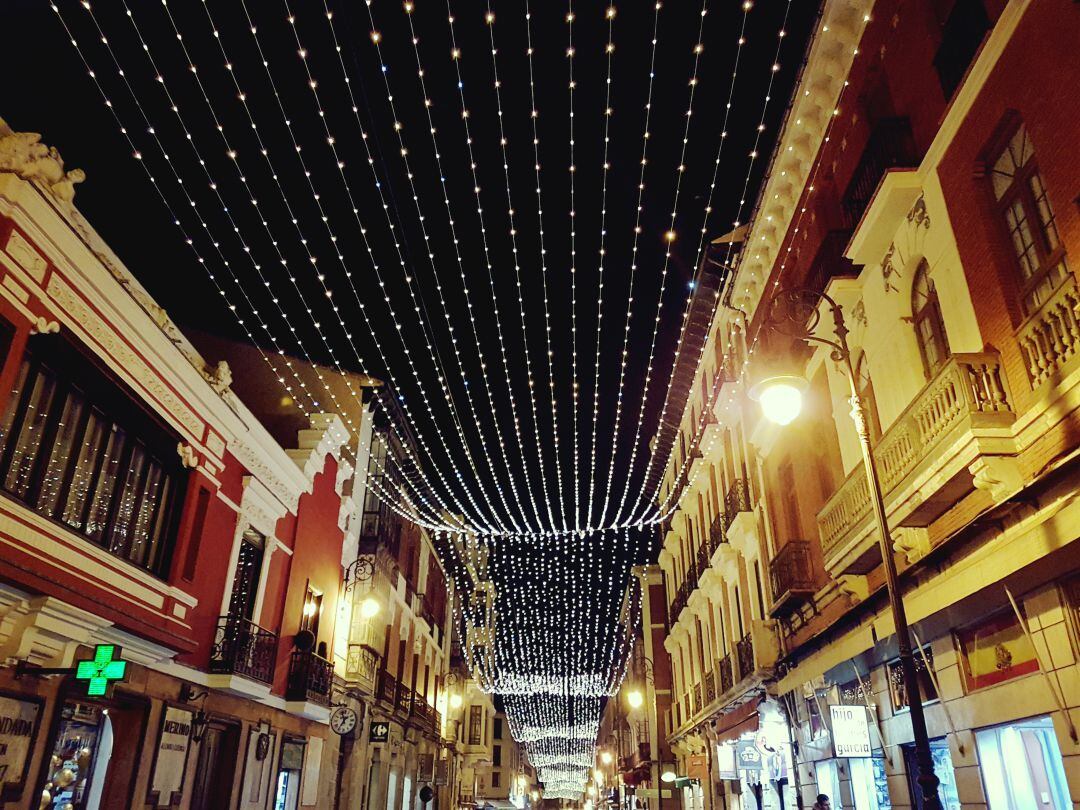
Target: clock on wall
{"type": "Point", "coordinates": [343, 720]}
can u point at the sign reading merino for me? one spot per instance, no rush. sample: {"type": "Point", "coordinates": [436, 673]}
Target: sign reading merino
{"type": "Point", "coordinates": [850, 731]}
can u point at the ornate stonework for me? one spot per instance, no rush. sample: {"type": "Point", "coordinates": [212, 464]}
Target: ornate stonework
{"type": "Point", "coordinates": [24, 154]}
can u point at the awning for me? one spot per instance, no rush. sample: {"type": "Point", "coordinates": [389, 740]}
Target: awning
{"type": "Point", "coordinates": [736, 723]}
{"type": "Point", "coordinates": [499, 804]}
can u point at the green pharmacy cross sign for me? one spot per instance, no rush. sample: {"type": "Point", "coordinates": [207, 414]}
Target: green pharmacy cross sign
{"type": "Point", "coordinates": [100, 671]}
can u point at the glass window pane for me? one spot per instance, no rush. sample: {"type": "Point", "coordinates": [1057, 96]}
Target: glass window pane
{"type": "Point", "coordinates": [13, 405]}
{"type": "Point", "coordinates": [124, 514]}
{"type": "Point", "coordinates": [90, 451]}
{"type": "Point", "coordinates": [64, 447]}
{"type": "Point", "coordinates": [28, 442]}
{"type": "Point", "coordinates": [139, 551]}
{"type": "Point", "coordinates": [106, 483]}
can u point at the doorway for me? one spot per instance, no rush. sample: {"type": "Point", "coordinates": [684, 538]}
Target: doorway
{"type": "Point", "coordinates": [289, 773]}
{"type": "Point", "coordinates": [216, 768]}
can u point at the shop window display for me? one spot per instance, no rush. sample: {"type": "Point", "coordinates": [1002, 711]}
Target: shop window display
{"type": "Point", "coordinates": [79, 758]}
{"type": "Point", "coordinates": [1021, 766]}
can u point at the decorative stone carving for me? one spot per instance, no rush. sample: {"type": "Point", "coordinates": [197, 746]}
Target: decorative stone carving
{"type": "Point", "coordinates": [888, 269]}
{"type": "Point", "coordinates": [43, 326]}
{"type": "Point", "coordinates": [854, 587]}
{"type": "Point", "coordinates": [918, 215]}
{"type": "Point", "coordinates": [188, 457]}
{"type": "Point", "coordinates": [220, 376]}
{"type": "Point", "coordinates": [998, 475]}
{"type": "Point", "coordinates": [24, 154]}
{"type": "Point", "coordinates": [913, 543]}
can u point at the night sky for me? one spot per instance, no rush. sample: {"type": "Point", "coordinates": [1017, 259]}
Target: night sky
{"type": "Point", "coordinates": [47, 90]}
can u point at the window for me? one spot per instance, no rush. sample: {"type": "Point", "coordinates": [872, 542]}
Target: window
{"type": "Point", "coordinates": [498, 728]}
{"type": "Point", "coordinates": [898, 689]}
{"type": "Point", "coordinates": [865, 387]}
{"type": "Point", "coordinates": [496, 779]}
{"type": "Point", "coordinates": [312, 612]}
{"type": "Point", "coordinates": [929, 326]}
{"type": "Point", "coordinates": [77, 451]}
{"type": "Point", "coordinates": [961, 36]}
{"type": "Point", "coordinates": [1021, 195]}
{"type": "Point", "coordinates": [496, 756]}
{"type": "Point", "coordinates": [475, 722]}
{"type": "Point", "coordinates": [994, 651]}
{"type": "Point", "coordinates": [1022, 766]}
{"type": "Point", "coordinates": [245, 587]}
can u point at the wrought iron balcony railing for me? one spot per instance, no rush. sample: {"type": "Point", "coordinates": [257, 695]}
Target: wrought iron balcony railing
{"type": "Point", "coordinates": [726, 676]}
{"type": "Point", "coordinates": [744, 652]}
{"type": "Point", "coordinates": [310, 677]}
{"type": "Point", "coordinates": [241, 647]}
{"type": "Point", "coordinates": [737, 499]}
{"type": "Point", "coordinates": [792, 574]}
{"type": "Point", "coordinates": [890, 146]}
{"type": "Point", "coordinates": [709, 682]}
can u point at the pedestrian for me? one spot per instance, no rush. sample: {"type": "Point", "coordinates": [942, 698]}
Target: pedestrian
{"type": "Point", "coordinates": [822, 802]}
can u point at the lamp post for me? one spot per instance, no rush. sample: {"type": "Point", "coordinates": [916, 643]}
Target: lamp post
{"type": "Point", "coordinates": [797, 314]}
{"type": "Point", "coordinates": [637, 698]}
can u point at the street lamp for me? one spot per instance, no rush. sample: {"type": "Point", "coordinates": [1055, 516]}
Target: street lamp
{"type": "Point", "coordinates": [797, 314]}
{"type": "Point", "coordinates": [370, 607]}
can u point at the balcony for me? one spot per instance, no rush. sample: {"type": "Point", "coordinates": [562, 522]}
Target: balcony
{"type": "Point", "coordinates": [698, 704]}
{"type": "Point", "coordinates": [923, 459]}
{"type": "Point", "coordinates": [241, 647]}
{"type": "Point", "coordinates": [726, 677]}
{"type": "Point", "coordinates": [737, 499]}
{"type": "Point", "coordinates": [310, 678]}
{"type": "Point", "coordinates": [744, 654]}
{"type": "Point", "coordinates": [890, 146]}
{"type": "Point", "coordinates": [1050, 338]}
{"type": "Point", "coordinates": [717, 532]}
{"type": "Point", "coordinates": [829, 261]}
{"type": "Point", "coordinates": [792, 575]}
{"type": "Point", "coordinates": [386, 688]}
{"type": "Point", "coordinates": [362, 665]}
{"type": "Point", "coordinates": [405, 698]}
{"type": "Point", "coordinates": [709, 682]}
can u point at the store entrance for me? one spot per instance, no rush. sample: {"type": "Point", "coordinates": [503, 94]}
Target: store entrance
{"type": "Point", "coordinates": [217, 765]}
{"type": "Point", "coordinates": [91, 764]}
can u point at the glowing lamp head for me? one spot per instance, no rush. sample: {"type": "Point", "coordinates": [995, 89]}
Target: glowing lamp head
{"type": "Point", "coordinates": [781, 397]}
{"type": "Point", "coordinates": [370, 607]}
{"type": "Point", "coordinates": [668, 776]}
{"type": "Point", "coordinates": [635, 699]}
{"type": "Point", "coordinates": [606, 757]}
{"type": "Point", "coordinates": [455, 701]}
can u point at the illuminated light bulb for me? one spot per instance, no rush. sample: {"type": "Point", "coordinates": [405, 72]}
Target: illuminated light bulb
{"type": "Point", "coordinates": [781, 398]}
{"type": "Point", "coordinates": [635, 699]}
{"type": "Point", "coordinates": [455, 701]}
{"type": "Point", "coordinates": [370, 607]}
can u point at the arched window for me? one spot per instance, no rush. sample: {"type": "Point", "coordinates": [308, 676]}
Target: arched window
{"type": "Point", "coordinates": [865, 386]}
{"type": "Point", "coordinates": [1021, 195]}
{"type": "Point", "coordinates": [929, 327]}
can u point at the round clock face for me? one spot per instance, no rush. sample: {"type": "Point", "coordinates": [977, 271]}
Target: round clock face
{"type": "Point", "coordinates": [343, 720]}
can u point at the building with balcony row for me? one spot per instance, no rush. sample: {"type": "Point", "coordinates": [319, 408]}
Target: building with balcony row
{"type": "Point", "coordinates": [924, 179]}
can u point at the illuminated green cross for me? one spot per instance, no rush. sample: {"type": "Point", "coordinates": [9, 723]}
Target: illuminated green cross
{"type": "Point", "coordinates": [100, 671]}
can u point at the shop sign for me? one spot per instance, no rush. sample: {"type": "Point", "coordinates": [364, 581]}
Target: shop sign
{"type": "Point", "coordinates": [850, 731]}
{"type": "Point", "coordinates": [725, 761]}
{"type": "Point", "coordinates": [747, 755]}
{"type": "Point", "coordinates": [171, 758]}
{"type": "Point", "coordinates": [18, 728]}
{"type": "Point", "coordinates": [102, 670]}
{"type": "Point", "coordinates": [379, 732]}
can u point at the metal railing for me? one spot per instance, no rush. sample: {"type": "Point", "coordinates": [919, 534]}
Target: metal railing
{"type": "Point", "coordinates": [709, 682]}
{"type": "Point", "coordinates": [241, 647]}
{"type": "Point", "coordinates": [310, 677]}
{"type": "Point", "coordinates": [890, 146]}
{"type": "Point", "coordinates": [744, 652]}
{"type": "Point", "coordinates": [791, 572]}
{"type": "Point", "coordinates": [726, 676]}
{"type": "Point", "coordinates": [737, 499]}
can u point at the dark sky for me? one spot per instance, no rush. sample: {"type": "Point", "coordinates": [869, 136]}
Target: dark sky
{"type": "Point", "coordinates": [55, 96]}
{"type": "Point", "coordinates": [47, 90]}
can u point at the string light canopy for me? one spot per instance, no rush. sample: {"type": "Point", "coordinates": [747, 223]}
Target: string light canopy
{"type": "Point", "coordinates": [364, 188]}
